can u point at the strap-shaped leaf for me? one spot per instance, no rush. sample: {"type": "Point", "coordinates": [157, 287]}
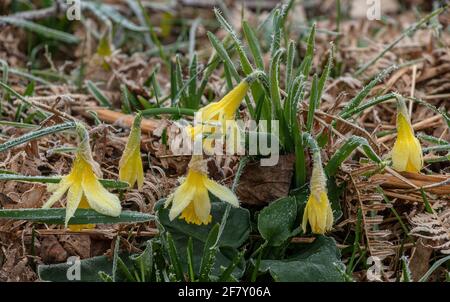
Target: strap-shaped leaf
{"type": "Point", "coordinates": [107, 183]}
{"type": "Point", "coordinates": [36, 134]}
{"type": "Point", "coordinates": [344, 152]}
{"type": "Point", "coordinates": [82, 216]}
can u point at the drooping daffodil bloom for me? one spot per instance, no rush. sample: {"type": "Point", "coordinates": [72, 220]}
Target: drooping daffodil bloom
{"type": "Point", "coordinates": [407, 152]}
{"type": "Point", "coordinates": [218, 117]}
{"type": "Point", "coordinates": [82, 184]}
{"type": "Point", "coordinates": [318, 210]}
{"type": "Point", "coordinates": [130, 164]}
{"type": "Point", "coordinates": [191, 198]}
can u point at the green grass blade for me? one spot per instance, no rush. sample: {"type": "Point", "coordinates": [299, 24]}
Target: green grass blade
{"type": "Point", "coordinates": [433, 268]}
{"type": "Point", "coordinates": [41, 30]}
{"type": "Point", "coordinates": [98, 94]}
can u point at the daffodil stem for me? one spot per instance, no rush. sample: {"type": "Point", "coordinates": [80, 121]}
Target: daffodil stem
{"type": "Point", "coordinates": [36, 134]}
{"type": "Point", "coordinates": [242, 163]}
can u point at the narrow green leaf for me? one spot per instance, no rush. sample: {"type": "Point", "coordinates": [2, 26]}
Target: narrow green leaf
{"type": "Point", "coordinates": [344, 152]}
{"type": "Point", "coordinates": [98, 94]}
{"type": "Point", "coordinates": [221, 51]}
{"type": "Point", "coordinates": [107, 183]}
{"type": "Point", "coordinates": [245, 63]}
{"type": "Point", "coordinates": [82, 216]}
{"type": "Point", "coordinates": [36, 134]}
{"type": "Point", "coordinates": [356, 101]}
{"type": "Point", "coordinates": [190, 260]}
{"type": "Point", "coordinates": [174, 258]}
{"type": "Point", "coordinates": [209, 254]}
{"type": "Point", "coordinates": [41, 30]}
{"type": "Point", "coordinates": [253, 44]}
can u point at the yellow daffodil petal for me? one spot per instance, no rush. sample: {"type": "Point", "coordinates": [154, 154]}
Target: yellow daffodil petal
{"type": "Point", "coordinates": [407, 152]}
{"type": "Point", "coordinates": [181, 199]}
{"type": "Point", "coordinates": [221, 192]}
{"type": "Point", "coordinates": [73, 200]}
{"type": "Point", "coordinates": [130, 164]}
{"type": "Point", "coordinates": [139, 171]}
{"type": "Point", "coordinates": [190, 216]}
{"type": "Point", "coordinates": [58, 191]}
{"type": "Point", "coordinates": [79, 227]}
{"type": "Point", "coordinates": [99, 198]}
{"type": "Point", "coordinates": [318, 213]}
{"type": "Point", "coordinates": [202, 205]}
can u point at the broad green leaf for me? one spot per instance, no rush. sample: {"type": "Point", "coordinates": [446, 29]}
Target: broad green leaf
{"type": "Point", "coordinates": [276, 222]}
{"type": "Point", "coordinates": [310, 262]}
{"type": "Point", "coordinates": [90, 270]}
{"type": "Point", "coordinates": [235, 233]}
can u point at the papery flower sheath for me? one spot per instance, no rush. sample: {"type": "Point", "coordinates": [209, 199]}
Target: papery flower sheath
{"type": "Point", "coordinates": [130, 165]}
{"type": "Point", "coordinates": [191, 198]}
{"type": "Point", "coordinates": [82, 182]}
{"type": "Point", "coordinates": [407, 152]}
{"type": "Point", "coordinates": [318, 210]}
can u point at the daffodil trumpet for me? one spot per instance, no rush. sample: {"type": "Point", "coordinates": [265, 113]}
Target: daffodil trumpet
{"type": "Point", "coordinates": [130, 164]}
{"type": "Point", "coordinates": [318, 212]}
{"type": "Point", "coordinates": [407, 152]}
{"type": "Point", "coordinates": [82, 185]}
{"type": "Point", "coordinates": [190, 201]}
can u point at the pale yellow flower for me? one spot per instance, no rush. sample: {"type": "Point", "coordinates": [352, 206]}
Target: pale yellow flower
{"type": "Point", "coordinates": [214, 116]}
{"type": "Point", "coordinates": [318, 210]}
{"type": "Point", "coordinates": [407, 152]}
{"type": "Point", "coordinates": [130, 165]}
{"type": "Point", "coordinates": [191, 198]}
{"type": "Point", "coordinates": [82, 182]}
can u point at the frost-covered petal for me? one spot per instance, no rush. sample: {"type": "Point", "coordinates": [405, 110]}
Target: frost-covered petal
{"type": "Point", "coordinates": [99, 198]}
{"type": "Point", "coordinates": [181, 199]}
{"type": "Point", "coordinates": [73, 200]}
{"type": "Point", "coordinates": [202, 205]}
{"type": "Point", "coordinates": [221, 192]}
{"type": "Point", "coordinates": [58, 191]}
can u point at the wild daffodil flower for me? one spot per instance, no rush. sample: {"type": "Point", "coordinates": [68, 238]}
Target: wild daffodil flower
{"type": "Point", "coordinates": [213, 117]}
{"type": "Point", "coordinates": [130, 165]}
{"type": "Point", "coordinates": [407, 152]}
{"type": "Point", "coordinates": [82, 184]}
{"type": "Point", "coordinates": [318, 209]}
{"type": "Point", "coordinates": [191, 198]}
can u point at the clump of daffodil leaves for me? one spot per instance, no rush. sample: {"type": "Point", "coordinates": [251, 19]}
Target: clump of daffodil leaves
{"type": "Point", "coordinates": [190, 201]}
{"type": "Point", "coordinates": [82, 185]}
